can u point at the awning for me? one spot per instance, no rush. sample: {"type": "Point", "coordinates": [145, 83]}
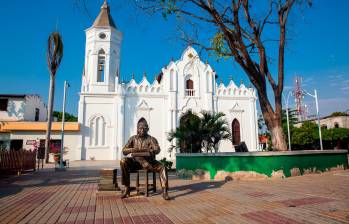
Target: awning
{"type": "Point", "coordinates": [9, 126]}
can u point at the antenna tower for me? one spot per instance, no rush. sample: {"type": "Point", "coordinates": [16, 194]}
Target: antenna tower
{"type": "Point", "coordinates": [299, 95]}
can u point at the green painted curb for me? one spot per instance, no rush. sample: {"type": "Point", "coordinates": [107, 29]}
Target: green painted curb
{"type": "Point", "coordinates": [263, 162]}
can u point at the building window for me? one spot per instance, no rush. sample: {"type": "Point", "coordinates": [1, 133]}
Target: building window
{"type": "Point", "coordinates": [16, 144]}
{"type": "Point", "coordinates": [37, 114]}
{"type": "Point", "coordinates": [101, 65]}
{"type": "Point", "coordinates": [235, 127]}
{"type": "Point", "coordinates": [3, 104]}
{"type": "Point", "coordinates": [336, 125]}
{"type": "Point", "coordinates": [189, 88]}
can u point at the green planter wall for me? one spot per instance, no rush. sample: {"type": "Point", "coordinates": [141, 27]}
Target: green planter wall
{"type": "Point", "coordinates": [262, 162]}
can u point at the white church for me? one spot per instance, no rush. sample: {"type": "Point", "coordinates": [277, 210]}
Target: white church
{"type": "Point", "coordinates": [109, 109]}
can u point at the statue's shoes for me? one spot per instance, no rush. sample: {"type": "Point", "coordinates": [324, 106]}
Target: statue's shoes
{"type": "Point", "coordinates": [125, 193]}
{"type": "Point", "coordinates": [165, 195]}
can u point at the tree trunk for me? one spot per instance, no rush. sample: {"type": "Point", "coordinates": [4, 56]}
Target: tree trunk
{"type": "Point", "coordinates": [277, 138]}
{"type": "Point", "coordinates": [49, 116]}
{"type": "Point", "coordinates": [273, 120]}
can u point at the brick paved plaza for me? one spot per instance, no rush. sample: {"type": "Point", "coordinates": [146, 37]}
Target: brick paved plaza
{"type": "Point", "coordinates": [71, 197]}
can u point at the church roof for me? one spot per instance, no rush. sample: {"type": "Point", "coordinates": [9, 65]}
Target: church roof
{"type": "Point", "coordinates": [104, 18]}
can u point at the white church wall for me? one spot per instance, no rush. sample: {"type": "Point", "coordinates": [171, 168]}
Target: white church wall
{"type": "Point", "coordinates": [240, 109]}
{"type": "Point", "coordinates": [98, 128]}
{"type": "Point", "coordinates": [151, 108]}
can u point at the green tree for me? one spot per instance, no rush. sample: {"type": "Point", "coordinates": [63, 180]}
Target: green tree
{"type": "Point", "coordinates": [196, 133]}
{"type": "Point", "coordinates": [336, 114]}
{"type": "Point", "coordinates": [336, 137]}
{"type": "Point", "coordinates": [305, 136]}
{"type": "Point", "coordinates": [240, 30]}
{"type": "Point", "coordinates": [68, 117]}
{"type": "Point", "coordinates": [187, 135]}
{"type": "Point", "coordinates": [54, 55]}
{"type": "Point", "coordinates": [214, 128]}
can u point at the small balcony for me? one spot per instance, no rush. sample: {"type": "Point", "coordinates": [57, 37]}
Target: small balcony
{"type": "Point", "coordinates": [189, 92]}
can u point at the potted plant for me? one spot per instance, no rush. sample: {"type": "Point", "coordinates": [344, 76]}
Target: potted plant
{"type": "Point", "coordinates": [55, 150]}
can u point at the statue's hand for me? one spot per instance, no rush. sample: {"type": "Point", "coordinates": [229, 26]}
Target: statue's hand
{"type": "Point", "coordinates": [139, 150]}
{"type": "Point", "coordinates": [127, 151]}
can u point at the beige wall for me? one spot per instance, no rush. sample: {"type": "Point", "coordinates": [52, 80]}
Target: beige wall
{"type": "Point", "coordinates": [342, 121]}
{"type": "Point", "coordinates": [70, 140]}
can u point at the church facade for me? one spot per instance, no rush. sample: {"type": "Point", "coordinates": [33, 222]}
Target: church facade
{"type": "Point", "coordinates": [109, 109]}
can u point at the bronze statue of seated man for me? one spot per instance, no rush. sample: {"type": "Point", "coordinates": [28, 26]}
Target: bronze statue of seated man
{"type": "Point", "coordinates": [143, 149]}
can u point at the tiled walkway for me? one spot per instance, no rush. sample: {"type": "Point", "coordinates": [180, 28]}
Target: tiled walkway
{"type": "Point", "coordinates": [71, 197]}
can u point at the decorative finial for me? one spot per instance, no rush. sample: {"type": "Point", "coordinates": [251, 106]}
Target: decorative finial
{"type": "Point", "coordinates": [206, 62]}
{"type": "Point", "coordinates": [241, 81]}
{"type": "Point", "coordinates": [172, 58]}
{"type": "Point", "coordinates": [221, 81]}
{"type": "Point", "coordinates": [230, 77]}
{"type": "Point", "coordinates": [144, 74]}
{"type": "Point", "coordinates": [105, 4]}
{"type": "Point", "coordinates": [133, 76]}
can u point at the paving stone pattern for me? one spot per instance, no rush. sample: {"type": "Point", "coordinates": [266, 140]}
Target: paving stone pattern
{"type": "Point", "coordinates": [72, 197]}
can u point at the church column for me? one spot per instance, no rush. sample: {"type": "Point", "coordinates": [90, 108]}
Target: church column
{"type": "Point", "coordinates": [81, 150]}
{"type": "Point", "coordinates": [253, 125]}
{"type": "Point", "coordinates": [172, 100]}
{"type": "Point", "coordinates": [208, 92]}
{"type": "Point", "coordinates": [115, 133]}
{"type": "Point", "coordinates": [121, 126]}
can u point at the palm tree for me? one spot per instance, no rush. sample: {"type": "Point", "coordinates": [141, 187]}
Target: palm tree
{"type": "Point", "coordinates": [214, 128]}
{"type": "Point", "coordinates": [196, 133]}
{"type": "Point", "coordinates": [54, 57]}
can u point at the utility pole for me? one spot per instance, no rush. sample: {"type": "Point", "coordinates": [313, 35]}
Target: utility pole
{"type": "Point", "coordinates": [288, 121]}
{"type": "Point", "coordinates": [66, 85]}
{"type": "Point", "coordinates": [317, 114]}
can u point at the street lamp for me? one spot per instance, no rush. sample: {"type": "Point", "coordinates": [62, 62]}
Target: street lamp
{"type": "Point", "coordinates": [66, 85]}
{"type": "Point", "coordinates": [288, 121]}
{"type": "Point", "coordinates": [317, 114]}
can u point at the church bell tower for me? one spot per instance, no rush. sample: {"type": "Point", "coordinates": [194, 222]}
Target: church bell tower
{"type": "Point", "coordinates": [102, 54]}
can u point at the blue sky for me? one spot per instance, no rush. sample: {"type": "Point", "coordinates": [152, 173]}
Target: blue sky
{"type": "Point", "coordinates": [317, 50]}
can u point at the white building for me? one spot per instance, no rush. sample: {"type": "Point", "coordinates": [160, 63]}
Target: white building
{"type": "Point", "coordinates": [109, 110]}
{"type": "Point", "coordinates": [19, 109]}
{"type": "Point", "coordinates": [15, 107]}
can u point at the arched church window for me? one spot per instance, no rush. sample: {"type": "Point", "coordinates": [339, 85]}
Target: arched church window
{"type": "Point", "coordinates": [172, 80]}
{"type": "Point", "coordinates": [101, 65]}
{"type": "Point", "coordinates": [235, 127]}
{"type": "Point", "coordinates": [189, 88]}
{"type": "Point", "coordinates": [97, 131]}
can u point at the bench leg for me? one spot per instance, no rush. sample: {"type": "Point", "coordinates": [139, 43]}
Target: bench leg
{"type": "Point", "coordinates": [146, 184]}
{"type": "Point", "coordinates": [137, 183]}
{"type": "Point", "coordinates": [154, 182]}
